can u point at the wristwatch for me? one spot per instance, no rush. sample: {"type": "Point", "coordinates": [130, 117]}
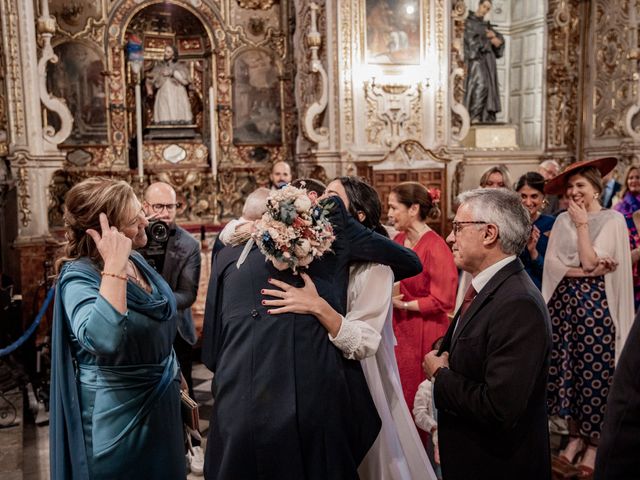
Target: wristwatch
{"type": "Point", "coordinates": [437, 371]}
{"type": "Point", "coordinates": [405, 305]}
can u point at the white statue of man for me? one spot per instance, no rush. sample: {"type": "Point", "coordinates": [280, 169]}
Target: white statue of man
{"type": "Point", "coordinates": [170, 79]}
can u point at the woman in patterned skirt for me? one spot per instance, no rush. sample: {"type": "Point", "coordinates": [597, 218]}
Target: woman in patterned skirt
{"type": "Point", "coordinates": [587, 285]}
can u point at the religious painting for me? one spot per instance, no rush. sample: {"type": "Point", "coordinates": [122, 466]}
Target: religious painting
{"type": "Point", "coordinates": [78, 78]}
{"type": "Point", "coordinates": [72, 15]}
{"type": "Point", "coordinates": [393, 32]}
{"type": "Point", "coordinates": [256, 100]}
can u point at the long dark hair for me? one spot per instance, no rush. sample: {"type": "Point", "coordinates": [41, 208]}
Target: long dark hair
{"type": "Point", "coordinates": [364, 198]}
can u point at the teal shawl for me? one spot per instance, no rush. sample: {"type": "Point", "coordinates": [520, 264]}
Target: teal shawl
{"type": "Point", "coordinates": [143, 383]}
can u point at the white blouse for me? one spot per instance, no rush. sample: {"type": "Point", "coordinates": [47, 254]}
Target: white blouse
{"type": "Point", "coordinates": [366, 334]}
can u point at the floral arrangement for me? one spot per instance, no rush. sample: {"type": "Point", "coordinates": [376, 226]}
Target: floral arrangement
{"type": "Point", "coordinates": [435, 194]}
{"type": "Point", "coordinates": [294, 230]}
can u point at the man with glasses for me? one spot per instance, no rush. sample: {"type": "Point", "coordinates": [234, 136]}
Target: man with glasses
{"type": "Point", "coordinates": [490, 375]}
{"type": "Point", "coordinates": [181, 270]}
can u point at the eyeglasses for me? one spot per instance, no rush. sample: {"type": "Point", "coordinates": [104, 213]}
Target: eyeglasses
{"type": "Point", "coordinates": [457, 226]}
{"type": "Point", "coordinates": [159, 207]}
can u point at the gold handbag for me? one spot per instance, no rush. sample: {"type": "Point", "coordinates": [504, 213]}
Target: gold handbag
{"type": "Point", "coordinates": [190, 413]}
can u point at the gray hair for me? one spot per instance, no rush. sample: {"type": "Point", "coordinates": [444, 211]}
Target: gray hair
{"type": "Point", "coordinates": [550, 163]}
{"type": "Point", "coordinates": [504, 209]}
{"type": "Point", "coordinates": [255, 204]}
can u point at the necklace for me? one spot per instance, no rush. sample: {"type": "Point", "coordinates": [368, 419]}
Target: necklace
{"type": "Point", "coordinates": [412, 243]}
{"type": "Point", "coordinates": [136, 279]}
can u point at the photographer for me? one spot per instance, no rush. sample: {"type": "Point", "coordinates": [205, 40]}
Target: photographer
{"type": "Point", "coordinates": [175, 254]}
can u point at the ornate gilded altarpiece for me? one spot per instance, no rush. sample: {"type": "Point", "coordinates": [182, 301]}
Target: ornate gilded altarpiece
{"type": "Point", "coordinates": [211, 36]}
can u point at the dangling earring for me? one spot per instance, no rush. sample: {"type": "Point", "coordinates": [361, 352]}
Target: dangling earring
{"type": "Point", "coordinates": [596, 196]}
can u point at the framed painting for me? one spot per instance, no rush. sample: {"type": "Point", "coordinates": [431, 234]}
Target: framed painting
{"type": "Point", "coordinates": [393, 32]}
{"type": "Point", "coordinates": [78, 78]}
{"type": "Point", "coordinates": [256, 100]}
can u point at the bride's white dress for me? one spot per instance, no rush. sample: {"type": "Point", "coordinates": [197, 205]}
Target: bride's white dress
{"type": "Point", "coordinates": [366, 334]}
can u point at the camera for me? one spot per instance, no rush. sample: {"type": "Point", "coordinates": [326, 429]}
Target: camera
{"type": "Point", "coordinates": [158, 233]}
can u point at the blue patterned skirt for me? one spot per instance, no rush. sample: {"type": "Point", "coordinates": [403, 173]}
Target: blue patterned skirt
{"type": "Point", "coordinates": [583, 355]}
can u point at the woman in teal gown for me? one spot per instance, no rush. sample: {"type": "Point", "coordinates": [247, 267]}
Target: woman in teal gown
{"type": "Point", "coordinates": [115, 381]}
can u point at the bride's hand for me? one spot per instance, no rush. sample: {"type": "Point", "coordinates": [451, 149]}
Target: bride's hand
{"type": "Point", "coordinates": [289, 299]}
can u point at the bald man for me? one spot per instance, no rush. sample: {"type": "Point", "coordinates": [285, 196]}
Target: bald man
{"type": "Point", "coordinates": [280, 174]}
{"type": "Point", "coordinates": [180, 267]}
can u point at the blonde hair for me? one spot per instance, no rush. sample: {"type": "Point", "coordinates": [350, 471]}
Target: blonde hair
{"type": "Point", "coordinates": [83, 205]}
{"type": "Point", "coordinates": [502, 170]}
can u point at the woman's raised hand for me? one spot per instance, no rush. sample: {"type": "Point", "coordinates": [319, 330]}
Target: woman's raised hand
{"type": "Point", "coordinates": [577, 212]}
{"type": "Point", "coordinates": [114, 247]}
{"type": "Point", "coordinates": [533, 242]}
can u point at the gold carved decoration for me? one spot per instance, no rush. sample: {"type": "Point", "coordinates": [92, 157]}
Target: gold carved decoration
{"type": "Point", "coordinates": [14, 72]}
{"type": "Point", "coordinates": [612, 86]}
{"type": "Point", "coordinates": [256, 4]}
{"type": "Point", "coordinates": [4, 128]}
{"type": "Point", "coordinates": [394, 113]}
{"type": "Point", "coordinates": [563, 67]}
{"type": "Point", "coordinates": [460, 121]}
{"type": "Point", "coordinates": [348, 25]}
{"type": "Point", "coordinates": [22, 183]}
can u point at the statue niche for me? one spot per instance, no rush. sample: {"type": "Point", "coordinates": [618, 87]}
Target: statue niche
{"type": "Point", "coordinates": [175, 75]}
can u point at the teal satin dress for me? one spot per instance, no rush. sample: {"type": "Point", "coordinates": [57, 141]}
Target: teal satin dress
{"type": "Point", "coordinates": [115, 382]}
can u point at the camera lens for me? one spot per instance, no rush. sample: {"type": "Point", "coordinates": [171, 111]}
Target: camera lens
{"type": "Point", "coordinates": [159, 231]}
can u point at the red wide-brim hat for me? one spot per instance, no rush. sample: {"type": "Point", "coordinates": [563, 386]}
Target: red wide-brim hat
{"type": "Point", "coordinates": [557, 185]}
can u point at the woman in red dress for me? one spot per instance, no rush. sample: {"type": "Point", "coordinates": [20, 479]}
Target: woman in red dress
{"type": "Point", "coordinates": [423, 302]}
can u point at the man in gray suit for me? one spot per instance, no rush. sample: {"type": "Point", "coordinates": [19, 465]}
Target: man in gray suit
{"type": "Point", "coordinates": [181, 269]}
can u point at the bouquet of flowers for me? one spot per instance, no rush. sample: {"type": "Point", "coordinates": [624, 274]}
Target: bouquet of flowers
{"type": "Point", "coordinates": [294, 230]}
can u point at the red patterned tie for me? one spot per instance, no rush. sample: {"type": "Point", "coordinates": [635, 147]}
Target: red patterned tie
{"type": "Point", "coordinates": [468, 298]}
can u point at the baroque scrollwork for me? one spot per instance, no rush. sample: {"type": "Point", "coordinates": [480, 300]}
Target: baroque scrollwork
{"type": "Point", "coordinates": [24, 197]}
{"type": "Point", "coordinates": [314, 40]}
{"type": "Point", "coordinates": [612, 85]}
{"type": "Point", "coordinates": [46, 29]}
{"type": "Point", "coordinates": [394, 113]}
{"type": "Point", "coordinates": [256, 4]}
{"type": "Point", "coordinates": [562, 74]}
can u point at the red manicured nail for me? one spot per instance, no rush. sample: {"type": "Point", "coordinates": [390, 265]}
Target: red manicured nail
{"type": "Point", "coordinates": [262, 291]}
{"type": "Point", "coordinates": [264, 302]}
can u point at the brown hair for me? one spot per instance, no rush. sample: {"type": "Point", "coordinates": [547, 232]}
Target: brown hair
{"type": "Point", "coordinates": [625, 187]}
{"type": "Point", "coordinates": [83, 205]}
{"type": "Point", "coordinates": [414, 193]}
{"type": "Point", "coordinates": [592, 174]}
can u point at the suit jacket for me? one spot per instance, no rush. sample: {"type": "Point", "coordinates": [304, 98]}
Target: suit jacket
{"type": "Point", "coordinates": [492, 419]}
{"type": "Point", "coordinates": [181, 270]}
{"type": "Point", "coordinates": [288, 405]}
{"type": "Point", "coordinates": [617, 457]}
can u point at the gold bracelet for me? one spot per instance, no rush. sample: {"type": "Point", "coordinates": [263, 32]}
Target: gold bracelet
{"type": "Point", "coordinates": [580, 224]}
{"type": "Point", "coordinates": [115, 275]}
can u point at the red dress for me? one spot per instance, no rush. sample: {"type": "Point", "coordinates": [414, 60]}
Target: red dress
{"type": "Point", "coordinates": [435, 291]}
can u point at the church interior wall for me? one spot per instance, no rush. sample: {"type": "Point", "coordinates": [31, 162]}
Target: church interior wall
{"type": "Point", "coordinates": [311, 83]}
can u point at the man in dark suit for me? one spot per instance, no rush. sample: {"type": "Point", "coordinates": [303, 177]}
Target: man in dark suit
{"type": "Point", "coordinates": [180, 267]}
{"type": "Point", "coordinates": [287, 404]}
{"type": "Point", "coordinates": [490, 375]}
{"type": "Point", "coordinates": [617, 457]}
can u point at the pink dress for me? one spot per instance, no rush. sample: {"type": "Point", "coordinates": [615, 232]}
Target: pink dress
{"type": "Point", "coordinates": [435, 291]}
